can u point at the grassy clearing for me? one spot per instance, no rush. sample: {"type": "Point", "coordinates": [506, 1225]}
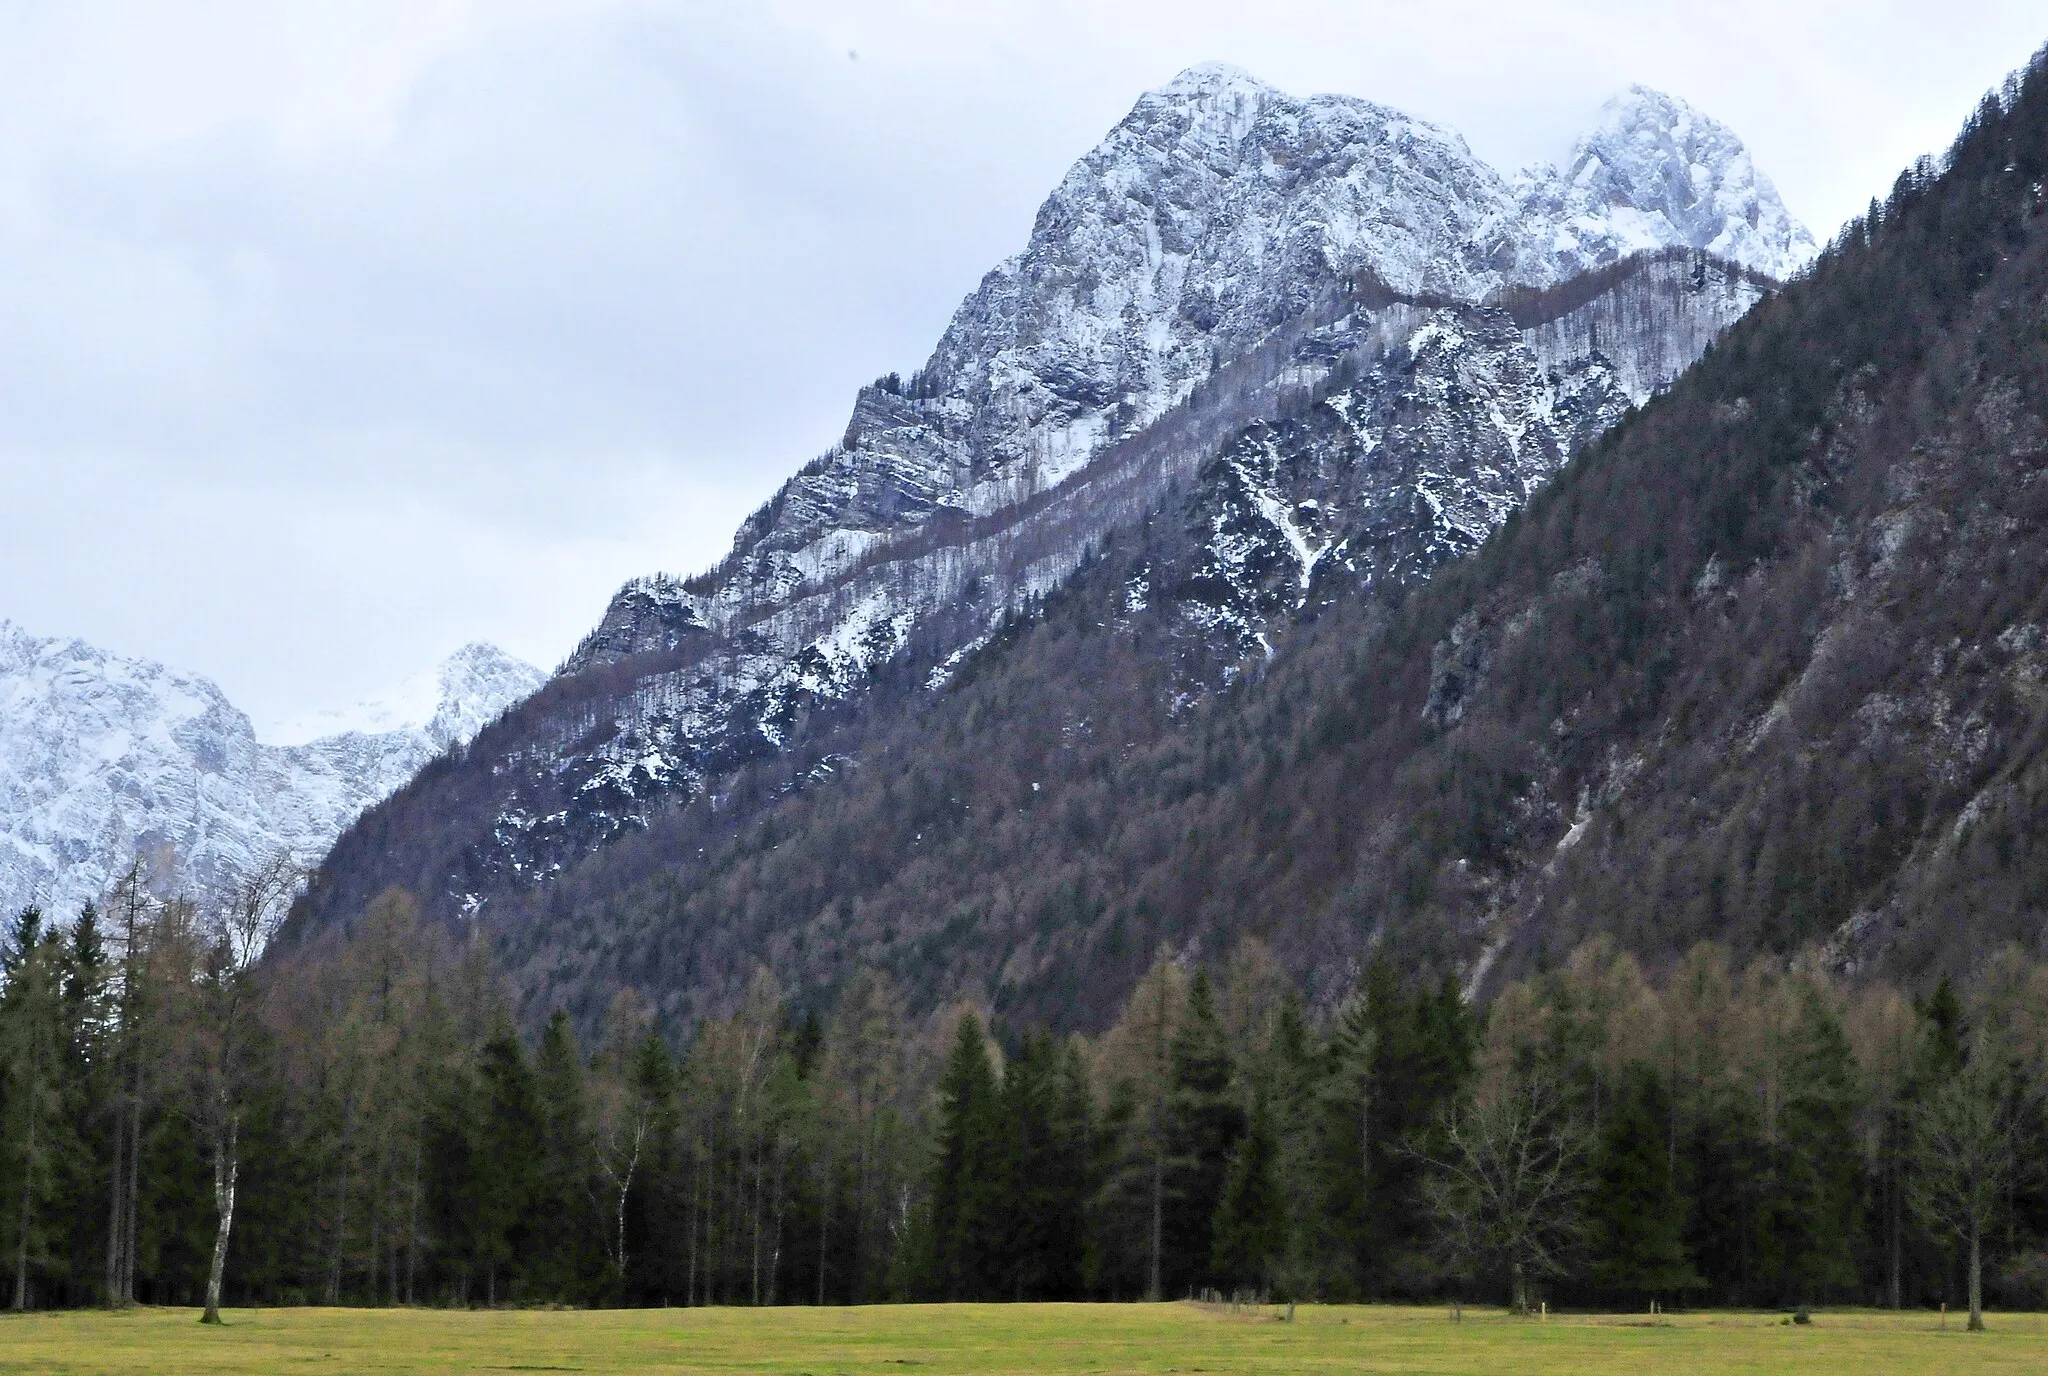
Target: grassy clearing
{"type": "Point", "coordinates": [936, 1339]}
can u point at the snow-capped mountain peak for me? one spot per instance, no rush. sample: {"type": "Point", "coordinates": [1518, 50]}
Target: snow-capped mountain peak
{"type": "Point", "coordinates": [1655, 172]}
{"type": "Point", "coordinates": [105, 757]}
{"type": "Point", "coordinates": [448, 703]}
{"type": "Point", "coordinates": [1211, 81]}
{"type": "Point", "coordinates": [1210, 264]}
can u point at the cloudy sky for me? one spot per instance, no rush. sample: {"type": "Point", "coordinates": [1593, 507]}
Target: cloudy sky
{"type": "Point", "coordinates": [334, 335]}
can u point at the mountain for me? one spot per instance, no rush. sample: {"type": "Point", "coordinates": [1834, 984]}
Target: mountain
{"type": "Point", "coordinates": [1314, 346]}
{"type": "Point", "coordinates": [1762, 665]}
{"type": "Point", "coordinates": [104, 758]}
{"type": "Point", "coordinates": [1654, 172]}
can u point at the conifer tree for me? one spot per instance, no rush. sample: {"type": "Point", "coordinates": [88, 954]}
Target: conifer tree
{"type": "Point", "coordinates": [504, 1161]}
{"type": "Point", "coordinates": [1637, 1213]}
{"type": "Point", "coordinates": [966, 1187]}
{"type": "Point", "coordinates": [562, 1190]}
{"type": "Point", "coordinates": [1813, 1216]}
{"type": "Point", "coordinates": [1045, 1140]}
{"type": "Point", "coordinates": [1249, 1230]}
{"type": "Point", "coordinates": [88, 1104]}
{"type": "Point", "coordinates": [32, 1056]}
{"type": "Point", "coordinates": [1205, 1124]}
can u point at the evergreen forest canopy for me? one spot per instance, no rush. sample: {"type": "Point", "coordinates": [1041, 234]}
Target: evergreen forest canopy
{"type": "Point", "coordinates": [1722, 1135]}
{"type": "Point", "coordinates": [359, 1117]}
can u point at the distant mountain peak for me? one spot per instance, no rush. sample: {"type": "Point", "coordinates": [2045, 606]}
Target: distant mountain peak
{"type": "Point", "coordinates": [104, 756]}
{"type": "Point", "coordinates": [450, 702]}
{"type": "Point", "coordinates": [1655, 172]}
{"type": "Point", "coordinates": [1210, 78]}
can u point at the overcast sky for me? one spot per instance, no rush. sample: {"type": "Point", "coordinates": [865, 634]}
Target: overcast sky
{"type": "Point", "coordinates": [334, 335]}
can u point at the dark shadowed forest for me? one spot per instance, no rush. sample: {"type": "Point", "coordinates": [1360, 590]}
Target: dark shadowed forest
{"type": "Point", "coordinates": [385, 1135]}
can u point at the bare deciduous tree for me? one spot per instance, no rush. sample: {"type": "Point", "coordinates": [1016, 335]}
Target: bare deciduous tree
{"type": "Point", "coordinates": [1965, 1154]}
{"type": "Point", "coordinates": [1506, 1183]}
{"type": "Point", "coordinates": [626, 1104]}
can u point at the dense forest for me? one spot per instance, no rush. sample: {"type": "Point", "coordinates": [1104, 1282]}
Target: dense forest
{"type": "Point", "coordinates": [378, 1132]}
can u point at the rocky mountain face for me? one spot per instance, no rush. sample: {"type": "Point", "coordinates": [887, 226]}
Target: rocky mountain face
{"type": "Point", "coordinates": [1317, 338]}
{"type": "Point", "coordinates": [1762, 665]}
{"type": "Point", "coordinates": [1654, 172]}
{"type": "Point", "coordinates": [104, 759]}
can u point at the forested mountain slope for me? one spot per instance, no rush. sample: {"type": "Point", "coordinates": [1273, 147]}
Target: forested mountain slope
{"type": "Point", "coordinates": [1390, 344]}
{"type": "Point", "coordinates": [1763, 665]}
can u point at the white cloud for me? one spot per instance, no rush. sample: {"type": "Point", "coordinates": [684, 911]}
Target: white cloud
{"type": "Point", "coordinates": [333, 335]}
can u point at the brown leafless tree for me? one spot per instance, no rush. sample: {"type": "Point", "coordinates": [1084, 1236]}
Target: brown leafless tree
{"type": "Point", "coordinates": [1506, 1182]}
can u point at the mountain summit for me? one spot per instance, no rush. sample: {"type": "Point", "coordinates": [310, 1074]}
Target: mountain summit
{"type": "Point", "coordinates": [104, 758]}
{"type": "Point", "coordinates": [1312, 345]}
{"type": "Point", "coordinates": [1653, 173]}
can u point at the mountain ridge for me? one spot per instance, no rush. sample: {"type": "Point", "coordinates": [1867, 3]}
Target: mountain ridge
{"type": "Point", "coordinates": [107, 758]}
{"type": "Point", "coordinates": [1761, 667]}
{"type": "Point", "coordinates": [1226, 256]}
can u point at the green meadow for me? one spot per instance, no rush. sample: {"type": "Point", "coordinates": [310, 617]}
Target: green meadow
{"type": "Point", "coordinates": [935, 1339]}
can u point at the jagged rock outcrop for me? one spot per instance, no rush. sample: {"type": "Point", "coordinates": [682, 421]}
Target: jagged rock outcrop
{"type": "Point", "coordinates": [1652, 174]}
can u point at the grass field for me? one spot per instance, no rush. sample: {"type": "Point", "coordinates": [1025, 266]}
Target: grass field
{"type": "Point", "coordinates": [936, 1339]}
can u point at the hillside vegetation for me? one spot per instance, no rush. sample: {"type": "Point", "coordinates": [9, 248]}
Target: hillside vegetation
{"type": "Point", "coordinates": [1765, 666]}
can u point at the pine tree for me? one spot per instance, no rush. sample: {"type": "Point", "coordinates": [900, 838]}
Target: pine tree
{"type": "Point", "coordinates": [88, 1090]}
{"type": "Point", "coordinates": [1205, 1123]}
{"type": "Point", "coordinates": [1813, 1205]}
{"type": "Point", "coordinates": [1046, 1142]}
{"type": "Point", "coordinates": [1249, 1230]}
{"type": "Point", "coordinates": [562, 1186]}
{"type": "Point", "coordinates": [966, 1186]}
{"type": "Point", "coordinates": [504, 1163]}
{"type": "Point", "coordinates": [32, 1055]}
{"type": "Point", "coordinates": [1638, 1214]}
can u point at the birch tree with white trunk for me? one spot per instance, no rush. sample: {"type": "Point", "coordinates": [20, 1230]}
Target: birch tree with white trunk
{"type": "Point", "coordinates": [225, 1029]}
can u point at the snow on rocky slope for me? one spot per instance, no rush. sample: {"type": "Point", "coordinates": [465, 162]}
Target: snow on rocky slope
{"type": "Point", "coordinates": [1224, 252]}
{"type": "Point", "coordinates": [1654, 173]}
{"type": "Point", "coordinates": [105, 758]}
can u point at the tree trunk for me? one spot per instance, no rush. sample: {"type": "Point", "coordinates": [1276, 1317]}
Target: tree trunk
{"type": "Point", "coordinates": [1365, 1146]}
{"type": "Point", "coordinates": [824, 1221]}
{"type": "Point", "coordinates": [760, 1170]}
{"type": "Point", "coordinates": [227, 1166]}
{"type": "Point", "coordinates": [115, 1212]}
{"type": "Point", "coordinates": [28, 1177]}
{"type": "Point", "coordinates": [132, 1203]}
{"type": "Point", "coordinates": [1976, 1276]}
{"type": "Point", "coordinates": [412, 1227]}
{"type": "Point", "coordinates": [775, 1236]}
{"type": "Point", "coordinates": [1519, 1289]}
{"type": "Point", "coordinates": [1152, 1284]}
{"type": "Point", "coordinates": [1895, 1261]}
{"type": "Point", "coordinates": [696, 1215]}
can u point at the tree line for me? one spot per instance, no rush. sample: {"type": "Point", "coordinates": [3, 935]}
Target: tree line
{"type": "Point", "coordinates": [363, 1123]}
